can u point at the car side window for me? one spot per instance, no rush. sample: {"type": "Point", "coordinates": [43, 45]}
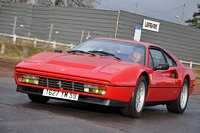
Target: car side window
{"type": "Point", "coordinates": [158, 57]}
{"type": "Point", "coordinates": [170, 61]}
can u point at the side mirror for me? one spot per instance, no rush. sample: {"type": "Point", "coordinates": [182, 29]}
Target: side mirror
{"type": "Point", "coordinates": [162, 67]}
{"type": "Point", "coordinates": [58, 50]}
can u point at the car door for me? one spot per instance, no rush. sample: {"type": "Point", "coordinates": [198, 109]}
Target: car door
{"type": "Point", "coordinates": [162, 82]}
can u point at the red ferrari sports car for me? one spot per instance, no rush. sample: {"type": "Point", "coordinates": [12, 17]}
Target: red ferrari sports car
{"type": "Point", "coordinates": [110, 72]}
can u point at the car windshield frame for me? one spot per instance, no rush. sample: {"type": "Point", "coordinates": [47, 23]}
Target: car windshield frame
{"type": "Point", "coordinates": [121, 50]}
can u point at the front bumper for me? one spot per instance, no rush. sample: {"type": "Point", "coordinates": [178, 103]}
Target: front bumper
{"type": "Point", "coordinates": [85, 99]}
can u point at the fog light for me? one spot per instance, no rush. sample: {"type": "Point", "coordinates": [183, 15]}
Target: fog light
{"type": "Point", "coordinates": [101, 90]}
{"type": "Point", "coordinates": [27, 79]}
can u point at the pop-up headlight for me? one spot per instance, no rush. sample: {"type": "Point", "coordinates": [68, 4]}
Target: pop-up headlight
{"type": "Point", "coordinates": [101, 90]}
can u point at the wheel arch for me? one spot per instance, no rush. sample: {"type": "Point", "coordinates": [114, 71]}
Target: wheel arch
{"type": "Point", "coordinates": [145, 74]}
{"type": "Point", "coordinates": [187, 77]}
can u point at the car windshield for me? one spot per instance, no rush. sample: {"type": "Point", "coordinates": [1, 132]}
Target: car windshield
{"type": "Point", "coordinates": [117, 49]}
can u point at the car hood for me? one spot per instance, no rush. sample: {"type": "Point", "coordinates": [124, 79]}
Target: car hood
{"type": "Point", "coordinates": [77, 65]}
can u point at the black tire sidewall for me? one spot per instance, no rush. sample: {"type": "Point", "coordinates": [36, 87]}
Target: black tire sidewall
{"type": "Point", "coordinates": [38, 98]}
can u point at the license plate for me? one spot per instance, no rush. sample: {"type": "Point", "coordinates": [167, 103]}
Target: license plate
{"type": "Point", "coordinates": [59, 94]}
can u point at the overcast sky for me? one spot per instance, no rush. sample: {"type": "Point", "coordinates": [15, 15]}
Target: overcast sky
{"type": "Point", "coordinates": [160, 9]}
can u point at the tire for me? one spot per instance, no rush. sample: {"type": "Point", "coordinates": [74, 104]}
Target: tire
{"type": "Point", "coordinates": [136, 104]}
{"type": "Point", "coordinates": [180, 104]}
{"type": "Point", "coordinates": [38, 98]}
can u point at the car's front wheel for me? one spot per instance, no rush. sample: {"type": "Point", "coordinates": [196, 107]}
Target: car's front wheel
{"type": "Point", "coordinates": [38, 98]}
{"type": "Point", "coordinates": [180, 104]}
{"type": "Point", "coordinates": [137, 101]}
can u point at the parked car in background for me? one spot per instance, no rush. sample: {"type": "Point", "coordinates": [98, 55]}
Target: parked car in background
{"type": "Point", "coordinates": [110, 72]}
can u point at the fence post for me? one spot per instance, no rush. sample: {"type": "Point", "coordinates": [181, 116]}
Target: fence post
{"type": "Point", "coordinates": [14, 38]}
{"type": "Point", "coordinates": [35, 42]}
{"type": "Point", "coordinates": [71, 45]}
{"type": "Point", "coordinates": [14, 26]}
{"type": "Point", "coordinates": [54, 44]}
{"type": "Point", "coordinates": [191, 64]}
{"type": "Point", "coordinates": [88, 36]}
{"type": "Point", "coordinates": [2, 49]}
{"type": "Point", "coordinates": [82, 36]}
{"type": "Point", "coordinates": [117, 25]}
{"type": "Point", "coordinates": [50, 33]}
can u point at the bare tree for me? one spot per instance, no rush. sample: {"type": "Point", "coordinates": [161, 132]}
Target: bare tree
{"type": "Point", "coordinates": [78, 3]}
{"type": "Point", "coordinates": [69, 3]}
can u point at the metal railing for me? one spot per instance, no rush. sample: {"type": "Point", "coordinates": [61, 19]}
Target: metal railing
{"type": "Point", "coordinates": [190, 64]}
{"type": "Point", "coordinates": [35, 40]}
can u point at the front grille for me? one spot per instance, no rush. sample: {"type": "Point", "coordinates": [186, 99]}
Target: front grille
{"type": "Point", "coordinates": [65, 85]}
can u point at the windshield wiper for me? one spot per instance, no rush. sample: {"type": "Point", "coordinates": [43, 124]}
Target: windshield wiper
{"type": "Point", "coordinates": [103, 53]}
{"type": "Point", "coordinates": [80, 51]}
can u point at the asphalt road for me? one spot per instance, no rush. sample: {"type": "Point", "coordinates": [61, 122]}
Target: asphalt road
{"type": "Point", "coordinates": [19, 115]}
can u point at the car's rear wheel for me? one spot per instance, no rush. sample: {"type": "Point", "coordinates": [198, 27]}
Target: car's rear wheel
{"type": "Point", "coordinates": [180, 104]}
{"type": "Point", "coordinates": [136, 104]}
{"type": "Point", "coordinates": [38, 98]}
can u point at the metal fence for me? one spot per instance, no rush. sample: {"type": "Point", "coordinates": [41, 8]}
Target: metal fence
{"type": "Point", "coordinates": [182, 41]}
{"type": "Point", "coordinates": [35, 40]}
{"type": "Point", "coordinates": [60, 24]}
{"type": "Point", "coordinates": [190, 64]}
{"type": "Point", "coordinates": [73, 25]}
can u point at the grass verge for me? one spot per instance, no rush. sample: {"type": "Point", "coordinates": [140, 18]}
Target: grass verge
{"type": "Point", "coordinates": [25, 49]}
